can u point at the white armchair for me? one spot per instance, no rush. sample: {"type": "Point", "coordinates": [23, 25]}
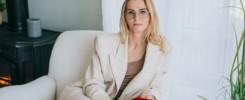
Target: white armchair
{"type": "Point", "coordinates": [69, 59]}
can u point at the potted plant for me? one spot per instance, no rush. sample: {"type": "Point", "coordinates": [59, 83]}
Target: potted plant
{"type": "Point", "coordinates": [236, 88]}
{"type": "Point", "coordinates": [237, 72]}
{"type": "Point", "coordinates": [2, 8]}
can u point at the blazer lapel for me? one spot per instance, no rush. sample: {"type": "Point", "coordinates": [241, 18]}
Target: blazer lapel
{"type": "Point", "coordinates": [152, 53]}
{"type": "Point", "coordinates": [119, 64]}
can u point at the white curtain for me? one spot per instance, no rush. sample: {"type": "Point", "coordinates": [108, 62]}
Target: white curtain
{"type": "Point", "coordinates": [202, 40]}
{"type": "Point", "coordinates": [111, 11]}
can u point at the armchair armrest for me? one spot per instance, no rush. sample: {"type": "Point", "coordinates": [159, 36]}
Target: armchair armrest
{"type": "Point", "coordinates": [42, 88]}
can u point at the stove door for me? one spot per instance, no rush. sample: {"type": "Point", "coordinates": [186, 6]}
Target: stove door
{"type": "Point", "coordinates": [7, 72]}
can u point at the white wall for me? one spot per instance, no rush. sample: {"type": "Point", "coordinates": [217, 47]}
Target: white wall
{"type": "Point", "coordinates": [62, 15]}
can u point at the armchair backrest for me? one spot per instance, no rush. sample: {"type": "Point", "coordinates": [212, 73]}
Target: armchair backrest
{"type": "Point", "coordinates": [70, 57]}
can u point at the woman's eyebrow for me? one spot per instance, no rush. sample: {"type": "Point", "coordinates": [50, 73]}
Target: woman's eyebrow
{"type": "Point", "coordinates": [129, 9]}
{"type": "Point", "coordinates": [138, 10]}
{"type": "Point", "coordinates": [143, 9]}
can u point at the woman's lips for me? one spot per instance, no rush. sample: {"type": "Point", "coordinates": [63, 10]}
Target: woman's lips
{"type": "Point", "coordinates": [137, 24]}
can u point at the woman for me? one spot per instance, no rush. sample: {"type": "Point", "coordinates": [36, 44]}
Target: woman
{"type": "Point", "coordinates": [127, 65]}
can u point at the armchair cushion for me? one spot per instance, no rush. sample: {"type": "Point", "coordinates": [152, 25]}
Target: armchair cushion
{"type": "Point", "coordinates": [70, 57]}
{"type": "Point", "coordinates": [42, 88]}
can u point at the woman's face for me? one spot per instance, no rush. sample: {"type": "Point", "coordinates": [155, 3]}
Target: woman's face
{"type": "Point", "coordinates": [137, 16]}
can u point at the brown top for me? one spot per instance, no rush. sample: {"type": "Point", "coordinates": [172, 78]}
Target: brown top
{"type": "Point", "coordinates": [132, 70]}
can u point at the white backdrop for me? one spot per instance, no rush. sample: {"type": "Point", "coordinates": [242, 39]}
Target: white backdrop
{"type": "Point", "coordinates": [202, 39]}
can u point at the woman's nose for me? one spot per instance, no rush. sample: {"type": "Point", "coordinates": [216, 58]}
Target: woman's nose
{"type": "Point", "coordinates": [136, 16]}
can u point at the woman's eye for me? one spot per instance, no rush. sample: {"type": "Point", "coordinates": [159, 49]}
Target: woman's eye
{"type": "Point", "coordinates": [143, 12]}
{"type": "Point", "coordinates": [131, 12]}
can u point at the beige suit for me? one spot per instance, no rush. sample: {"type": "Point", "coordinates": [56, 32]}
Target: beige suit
{"type": "Point", "coordinates": [108, 68]}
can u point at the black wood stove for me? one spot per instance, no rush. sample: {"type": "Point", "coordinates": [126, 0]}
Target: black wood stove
{"type": "Point", "coordinates": [23, 59]}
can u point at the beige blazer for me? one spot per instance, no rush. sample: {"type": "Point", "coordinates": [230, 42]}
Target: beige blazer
{"type": "Point", "coordinates": [108, 67]}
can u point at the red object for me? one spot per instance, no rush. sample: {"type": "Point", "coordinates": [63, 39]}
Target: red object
{"type": "Point", "coordinates": [138, 98]}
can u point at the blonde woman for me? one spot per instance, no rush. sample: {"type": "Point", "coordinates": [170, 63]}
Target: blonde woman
{"type": "Point", "coordinates": [127, 65]}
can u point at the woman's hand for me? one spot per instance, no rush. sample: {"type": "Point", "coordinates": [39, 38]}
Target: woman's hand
{"type": "Point", "coordinates": [150, 97]}
{"type": "Point", "coordinates": [145, 98]}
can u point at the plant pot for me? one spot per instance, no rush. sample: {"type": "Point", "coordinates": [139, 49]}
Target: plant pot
{"type": "Point", "coordinates": [1, 17]}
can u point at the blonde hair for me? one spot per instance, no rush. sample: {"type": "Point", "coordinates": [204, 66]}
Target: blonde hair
{"type": "Point", "coordinates": [153, 33]}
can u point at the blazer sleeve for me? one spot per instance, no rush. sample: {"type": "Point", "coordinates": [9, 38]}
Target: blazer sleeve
{"type": "Point", "coordinates": [157, 84]}
{"type": "Point", "coordinates": [93, 83]}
